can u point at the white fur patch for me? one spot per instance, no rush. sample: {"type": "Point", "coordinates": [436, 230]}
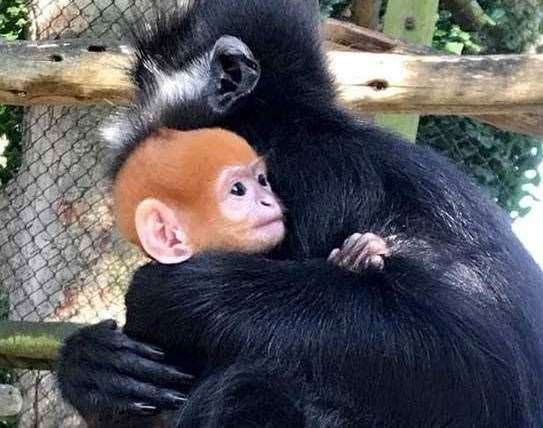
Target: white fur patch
{"type": "Point", "coordinates": [115, 131]}
{"type": "Point", "coordinates": [171, 88]}
{"type": "Point", "coordinates": [184, 85]}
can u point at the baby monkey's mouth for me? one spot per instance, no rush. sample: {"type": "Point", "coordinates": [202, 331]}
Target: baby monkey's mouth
{"type": "Point", "coordinates": [269, 221]}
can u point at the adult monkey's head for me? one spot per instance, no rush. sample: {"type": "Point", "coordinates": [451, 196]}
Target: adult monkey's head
{"type": "Point", "coordinates": [203, 66]}
{"type": "Point", "coordinates": [205, 90]}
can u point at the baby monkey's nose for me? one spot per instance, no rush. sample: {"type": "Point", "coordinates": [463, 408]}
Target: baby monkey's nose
{"type": "Point", "coordinates": [266, 203]}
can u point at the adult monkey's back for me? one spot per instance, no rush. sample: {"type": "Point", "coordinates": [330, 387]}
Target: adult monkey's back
{"type": "Point", "coordinates": [447, 335]}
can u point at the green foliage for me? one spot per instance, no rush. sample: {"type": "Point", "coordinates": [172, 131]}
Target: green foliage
{"type": "Point", "coordinates": [519, 24]}
{"type": "Point", "coordinates": [12, 19]}
{"type": "Point", "coordinates": [450, 37]}
{"type": "Point", "coordinates": [503, 162]}
{"type": "Point", "coordinates": [10, 141]}
{"type": "Point", "coordinates": [12, 24]}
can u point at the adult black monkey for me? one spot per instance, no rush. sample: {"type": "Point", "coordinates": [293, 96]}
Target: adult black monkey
{"type": "Point", "coordinates": [448, 334]}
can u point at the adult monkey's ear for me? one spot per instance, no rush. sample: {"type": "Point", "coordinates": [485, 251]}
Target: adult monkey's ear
{"type": "Point", "coordinates": [234, 73]}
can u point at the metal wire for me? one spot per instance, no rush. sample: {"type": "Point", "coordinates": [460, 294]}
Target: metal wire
{"type": "Point", "coordinates": [59, 258]}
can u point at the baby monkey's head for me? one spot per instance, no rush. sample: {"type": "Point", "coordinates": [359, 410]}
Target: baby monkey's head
{"type": "Point", "coordinates": [183, 192]}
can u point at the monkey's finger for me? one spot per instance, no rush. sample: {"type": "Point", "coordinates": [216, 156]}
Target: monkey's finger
{"type": "Point", "coordinates": [143, 349]}
{"type": "Point", "coordinates": [334, 256]}
{"type": "Point", "coordinates": [118, 404]}
{"type": "Point", "coordinates": [360, 262]}
{"type": "Point", "coordinates": [350, 242]}
{"type": "Point", "coordinates": [142, 409]}
{"type": "Point", "coordinates": [366, 261]}
{"type": "Point", "coordinates": [354, 250]}
{"type": "Point", "coordinates": [109, 336]}
{"type": "Point", "coordinates": [369, 251]}
{"type": "Point", "coordinates": [136, 360]}
{"type": "Point", "coordinates": [378, 247]}
{"type": "Point", "coordinates": [148, 395]}
{"type": "Point", "coordinates": [376, 262]}
{"type": "Point", "coordinates": [117, 391]}
{"type": "Point", "coordinates": [153, 372]}
{"type": "Point", "coordinates": [145, 396]}
{"type": "Point", "coordinates": [116, 340]}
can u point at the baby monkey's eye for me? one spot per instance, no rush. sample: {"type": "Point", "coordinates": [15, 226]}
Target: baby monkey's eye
{"type": "Point", "coordinates": [262, 180]}
{"type": "Point", "coordinates": [238, 189]}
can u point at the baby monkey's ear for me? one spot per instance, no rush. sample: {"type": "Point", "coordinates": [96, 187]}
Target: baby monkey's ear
{"type": "Point", "coordinates": [160, 232]}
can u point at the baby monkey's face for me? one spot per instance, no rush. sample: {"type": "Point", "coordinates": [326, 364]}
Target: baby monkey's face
{"type": "Point", "coordinates": [247, 202]}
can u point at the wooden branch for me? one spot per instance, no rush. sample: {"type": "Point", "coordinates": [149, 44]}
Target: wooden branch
{"type": "Point", "coordinates": [32, 345]}
{"type": "Point", "coordinates": [67, 73]}
{"type": "Point", "coordinates": [86, 72]}
{"type": "Point", "coordinates": [439, 84]}
{"type": "Point", "coordinates": [359, 38]}
{"type": "Point", "coordinates": [524, 123]}
{"type": "Point", "coordinates": [63, 72]}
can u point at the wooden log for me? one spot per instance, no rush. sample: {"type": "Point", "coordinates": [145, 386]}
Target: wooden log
{"type": "Point", "coordinates": [439, 84]}
{"type": "Point", "coordinates": [11, 401]}
{"type": "Point", "coordinates": [67, 73]}
{"type": "Point", "coordinates": [32, 345]}
{"type": "Point", "coordinates": [523, 123]}
{"type": "Point", "coordinates": [99, 77]}
{"type": "Point", "coordinates": [358, 38]}
{"type": "Point", "coordinates": [362, 39]}
{"type": "Point", "coordinates": [63, 72]}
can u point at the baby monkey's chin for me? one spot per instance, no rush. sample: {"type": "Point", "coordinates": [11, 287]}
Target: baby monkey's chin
{"type": "Point", "coordinates": [267, 236]}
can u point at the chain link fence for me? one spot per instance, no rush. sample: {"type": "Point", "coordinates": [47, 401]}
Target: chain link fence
{"type": "Point", "coordinates": [504, 163]}
{"type": "Point", "coordinates": [60, 258]}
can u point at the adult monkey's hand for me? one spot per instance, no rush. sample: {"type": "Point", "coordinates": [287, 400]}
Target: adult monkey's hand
{"type": "Point", "coordinates": [102, 370]}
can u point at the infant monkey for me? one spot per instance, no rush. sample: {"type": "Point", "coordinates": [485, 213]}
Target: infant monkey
{"type": "Point", "coordinates": [183, 192]}
{"type": "Point", "coordinates": [180, 193]}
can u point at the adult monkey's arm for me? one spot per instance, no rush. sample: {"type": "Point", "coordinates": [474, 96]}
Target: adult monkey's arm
{"type": "Point", "coordinates": [223, 306]}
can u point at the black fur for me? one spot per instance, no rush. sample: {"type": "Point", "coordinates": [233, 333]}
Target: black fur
{"type": "Point", "coordinates": [448, 335]}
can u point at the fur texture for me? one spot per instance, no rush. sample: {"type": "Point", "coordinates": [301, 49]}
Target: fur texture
{"type": "Point", "coordinates": [448, 335]}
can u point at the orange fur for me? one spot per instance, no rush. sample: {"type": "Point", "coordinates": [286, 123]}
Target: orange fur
{"type": "Point", "coordinates": [180, 169]}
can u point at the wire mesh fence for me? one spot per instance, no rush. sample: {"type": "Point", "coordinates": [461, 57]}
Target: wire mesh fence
{"type": "Point", "coordinates": [504, 163]}
{"type": "Point", "coordinates": [60, 258]}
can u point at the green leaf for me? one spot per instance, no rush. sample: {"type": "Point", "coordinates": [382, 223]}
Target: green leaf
{"type": "Point", "coordinates": [497, 14]}
{"type": "Point", "coordinates": [454, 47]}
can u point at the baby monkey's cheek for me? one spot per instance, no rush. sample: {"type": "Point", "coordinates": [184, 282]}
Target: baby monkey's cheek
{"type": "Point", "coordinates": [235, 211]}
